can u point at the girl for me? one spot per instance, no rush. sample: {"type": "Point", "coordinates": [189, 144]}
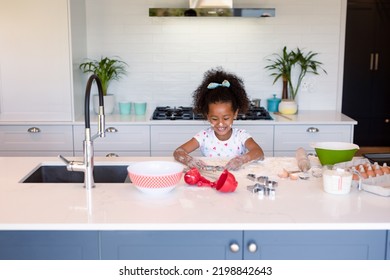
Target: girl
{"type": "Point", "coordinates": [219, 98]}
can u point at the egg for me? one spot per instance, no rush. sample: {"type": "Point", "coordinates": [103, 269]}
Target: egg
{"type": "Point", "coordinates": [362, 172]}
{"type": "Point", "coordinates": [377, 169]}
{"type": "Point", "coordinates": [385, 168]}
{"type": "Point", "coordinates": [370, 172]}
{"type": "Point", "coordinates": [294, 176]}
{"type": "Point", "coordinates": [367, 166]}
{"type": "Point", "coordinates": [283, 174]}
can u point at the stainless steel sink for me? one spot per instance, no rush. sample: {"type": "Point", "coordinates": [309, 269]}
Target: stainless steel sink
{"type": "Point", "coordinates": [59, 174]}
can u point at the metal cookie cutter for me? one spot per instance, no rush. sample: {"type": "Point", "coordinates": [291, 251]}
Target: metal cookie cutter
{"type": "Point", "coordinates": [271, 185]}
{"type": "Point", "coordinates": [263, 186]}
{"type": "Point", "coordinates": [261, 179]}
{"type": "Point", "coordinates": [213, 168]}
{"type": "Point", "coordinates": [256, 189]}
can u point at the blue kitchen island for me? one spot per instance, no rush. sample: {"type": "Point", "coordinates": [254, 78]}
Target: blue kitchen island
{"type": "Point", "coordinates": [117, 221]}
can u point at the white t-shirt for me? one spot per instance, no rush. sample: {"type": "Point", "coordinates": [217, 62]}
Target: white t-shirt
{"type": "Point", "coordinates": [211, 146]}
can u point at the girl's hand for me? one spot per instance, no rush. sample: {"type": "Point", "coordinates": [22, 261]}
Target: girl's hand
{"type": "Point", "coordinates": [236, 163]}
{"type": "Point", "coordinates": [182, 156]}
{"type": "Point", "coordinates": [197, 163]}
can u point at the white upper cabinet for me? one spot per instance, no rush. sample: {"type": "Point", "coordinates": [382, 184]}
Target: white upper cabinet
{"type": "Point", "coordinates": [35, 61]}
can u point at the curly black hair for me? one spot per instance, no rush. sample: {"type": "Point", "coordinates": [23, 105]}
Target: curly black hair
{"type": "Point", "coordinates": [235, 94]}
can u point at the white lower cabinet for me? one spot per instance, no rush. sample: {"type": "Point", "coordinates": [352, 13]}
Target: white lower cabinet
{"type": "Point", "coordinates": [263, 135]}
{"type": "Point", "coordinates": [288, 138]}
{"type": "Point", "coordinates": [156, 140]}
{"type": "Point", "coordinates": [36, 140]}
{"type": "Point", "coordinates": [165, 139]}
{"type": "Point", "coordinates": [120, 140]}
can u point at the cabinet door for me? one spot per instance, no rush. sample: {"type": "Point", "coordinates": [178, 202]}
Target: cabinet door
{"type": "Point", "coordinates": [36, 140]}
{"type": "Point", "coordinates": [49, 245]}
{"type": "Point", "coordinates": [315, 245]}
{"type": "Point", "coordinates": [388, 246]}
{"type": "Point", "coordinates": [290, 137]}
{"type": "Point", "coordinates": [35, 74]}
{"type": "Point", "coordinates": [116, 154]}
{"type": "Point", "coordinates": [171, 245]}
{"type": "Point", "coordinates": [119, 139]}
{"type": "Point", "coordinates": [366, 96]}
{"type": "Point", "coordinates": [165, 139]}
{"type": "Point", "coordinates": [380, 121]}
{"type": "Point", "coordinates": [262, 134]}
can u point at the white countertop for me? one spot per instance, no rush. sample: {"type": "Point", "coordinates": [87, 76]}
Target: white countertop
{"type": "Point", "coordinates": [299, 205]}
{"type": "Point", "coordinates": [303, 117]}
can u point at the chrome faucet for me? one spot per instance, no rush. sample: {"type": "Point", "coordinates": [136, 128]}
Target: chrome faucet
{"type": "Point", "coordinates": [88, 152]}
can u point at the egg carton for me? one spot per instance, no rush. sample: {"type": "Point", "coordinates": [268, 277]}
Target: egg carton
{"type": "Point", "coordinates": [379, 185]}
{"type": "Point", "coordinates": [354, 162]}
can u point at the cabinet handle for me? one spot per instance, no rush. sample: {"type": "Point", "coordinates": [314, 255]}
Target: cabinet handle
{"type": "Point", "coordinates": [112, 155]}
{"type": "Point", "coordinates": [111, 129]}
{"type": "Point", "coordinates": [312, 130]}
{"type": "Point", "coordinates": [234, 247]}
{"type": "Point", "coordinates": [376, 61]}
{"type": "Point", "coordinates": [371, 61]}
{"type": "Point", "coordinates": [33, 130]}
{"type": "Point", "coordinates": [252, 247]}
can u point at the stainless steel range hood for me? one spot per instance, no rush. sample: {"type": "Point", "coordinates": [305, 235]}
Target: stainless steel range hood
{"type": "Point", "coordinates": [211, 8]}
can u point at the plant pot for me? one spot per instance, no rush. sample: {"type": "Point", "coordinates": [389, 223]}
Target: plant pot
{"type": "Point", "coordinates": [288, 107]}
{"type": "Point", "coordinates": [109, 104]}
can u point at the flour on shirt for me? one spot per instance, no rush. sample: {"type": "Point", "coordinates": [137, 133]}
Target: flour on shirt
{"type": "Point", "coordinates": [211, 146]}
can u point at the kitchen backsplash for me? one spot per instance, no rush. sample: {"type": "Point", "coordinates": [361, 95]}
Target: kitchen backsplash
{"type": "Point", "coordinates": [168, 56]}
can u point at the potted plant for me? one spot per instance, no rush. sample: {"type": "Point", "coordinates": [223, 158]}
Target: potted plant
{"type": "Point", "coordinates": [283, 67]}
{"type": "Point", "coordinates": [107, 69]}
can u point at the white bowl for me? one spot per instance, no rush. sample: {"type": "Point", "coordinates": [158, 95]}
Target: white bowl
{"type": "Point", "coordinates": [155, 177]}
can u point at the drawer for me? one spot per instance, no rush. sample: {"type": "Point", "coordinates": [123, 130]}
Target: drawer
{"type": "Point", "coordinates": [118, 138]}
{"type": "Point", "coordinates": [168, 138]}
{"type": "Point", "coordinates": [116, 154]}
{"type": "Point", "coordinates": [67, 153]}
{"type": "Point", "coordinates": [291, 137]}
{"type": "Point", "coordinates": [262, 134]}
{"type": "Point", "coordinates": [36, 138]}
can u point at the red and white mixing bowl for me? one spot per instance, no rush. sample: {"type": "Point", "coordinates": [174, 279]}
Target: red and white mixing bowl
{"type": "Point", "coordinates": [155, 176]}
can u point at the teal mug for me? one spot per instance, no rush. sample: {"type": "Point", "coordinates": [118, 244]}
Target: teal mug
{"type": "Point", "coordinates": [140, 108]}
{"type": "Point", "coordinates": [125, 108]}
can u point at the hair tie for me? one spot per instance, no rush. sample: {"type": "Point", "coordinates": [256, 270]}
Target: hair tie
{"type": "Point", "coordinates": [225, 83]}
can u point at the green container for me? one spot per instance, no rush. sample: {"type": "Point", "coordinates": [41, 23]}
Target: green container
{"type": "Point", "coordinates": [335, 152]}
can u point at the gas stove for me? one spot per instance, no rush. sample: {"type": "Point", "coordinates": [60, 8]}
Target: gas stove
{"type": "Point", "coordinates": [187, 113]}
{"type": "Point", "coordinates": [173, 113]}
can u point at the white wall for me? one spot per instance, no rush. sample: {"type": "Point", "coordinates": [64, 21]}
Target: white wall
{"type": "Point", "coordinates": [168, 56]}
